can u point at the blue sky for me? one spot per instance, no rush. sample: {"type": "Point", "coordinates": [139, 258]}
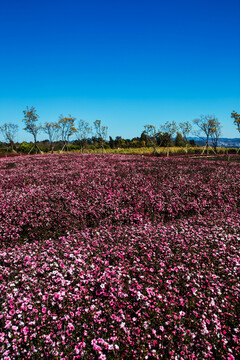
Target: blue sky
{"type": "Point", "coordinates": [128, 63]}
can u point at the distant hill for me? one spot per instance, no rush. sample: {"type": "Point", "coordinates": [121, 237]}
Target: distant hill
{"type": "Point", "coordinates": [224, 142]}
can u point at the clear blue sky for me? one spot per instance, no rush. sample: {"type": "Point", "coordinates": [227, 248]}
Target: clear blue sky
{"type": "Point", "coordinates": [128, 63]}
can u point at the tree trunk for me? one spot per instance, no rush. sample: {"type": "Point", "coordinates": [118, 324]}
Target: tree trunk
{"type": "Point", "coordinates": [155, 152]}
{"type": "Point", "coordinates": [207, 145]}
{"type": "Point", "coordinates": [64, 146]}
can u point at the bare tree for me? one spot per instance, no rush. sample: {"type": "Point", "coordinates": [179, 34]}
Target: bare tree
{"type": "Point", "coordinates": [30, 119]}
{"type": "Point", "coordinates": [215, 132]}
{"type": "Point", "coordinates": [205, 126]}
{"type": "Point", "coordinates": [236, 117]}
{"type": "Point", "coordinates": [67, 129]}
{"type": "Point", "coordinates": [53, 132]}
{"type": "Point", "coordinates": [151, 136]}
{"type": "Point", "coordinates": [9, 131]}
{"type": "Point", "coordinates": [101, 133]}
{"type": "Point", "coordinates": [169, 128]}
{"type": "Point", "coordinates": [84, 130]}
{"type": "Point", "coordinates": [185, 128]}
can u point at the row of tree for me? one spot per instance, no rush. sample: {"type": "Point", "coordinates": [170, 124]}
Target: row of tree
{"type": "Point", "coordinates": [61, 130]}
{"type": "Point", "coordinates": [207, 128]}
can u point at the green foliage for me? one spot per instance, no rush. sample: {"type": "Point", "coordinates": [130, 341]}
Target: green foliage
{"type": "Point", "coordinates": [73, 147]}
{"type": "Point", "coordinates": [179, 140]}
{"type": "Point", "coordinates": [107, 146]}
{"type": "Point", "coordinates": [192, 142]}
{"type": "Point", "coordinates": [25, 147]}
{"type": "Point", "coordinates": [164, 139]}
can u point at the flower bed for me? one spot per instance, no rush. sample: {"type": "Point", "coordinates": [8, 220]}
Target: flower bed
{"type": "Point", "coordinates": [119, 257]}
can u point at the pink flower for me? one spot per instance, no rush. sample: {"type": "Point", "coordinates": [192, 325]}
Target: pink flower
{"type": "Point", "coordinates": [8, 324]}
{"type": "Point", "coordinates": [71, 327]}
{"type": "Point", "coordinates": [25, 330]}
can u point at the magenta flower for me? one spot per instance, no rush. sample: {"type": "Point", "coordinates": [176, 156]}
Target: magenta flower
{"type": "Point", "coordinates": [119, 257]}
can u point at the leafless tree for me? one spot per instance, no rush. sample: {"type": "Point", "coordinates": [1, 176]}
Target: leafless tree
{"type": "Point", "coordinates": [101, 133]}
{"type": "Point", "coordinates": [236, 117]}
{"type": "Point", "coordinates": [215, 132]}
{"type": "Point", "coordinates": [206, 125]}
{"type": "Point", "coordinates": [185, 128]}
{"type": "Point", "coordinates": [151, 134]}
{"type": "Point", "coordinates": [53, 132]}
{"type": "Point", "coordinates": [9, 131]}
{"type": "Point", "coordinates": [169, 129]}
{"type": "Point", "coordinates": [67, 129]}
{"type": "Point", "coordinates": [84, 130]}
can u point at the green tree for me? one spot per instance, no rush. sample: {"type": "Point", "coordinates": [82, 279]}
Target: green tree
{"type": "Point", "coordinates": [179, 140]}
{"type": "Point", "coordinates": [192, 142]}
{"type": "Point", "coordinates": [31, 119]}
{"type": "Point", "coordinates": [111, 142]}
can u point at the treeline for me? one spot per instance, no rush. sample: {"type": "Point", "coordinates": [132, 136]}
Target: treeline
{"type": "Point", "coordinates": [68, 133]}
{"type": "Point", "coordinates": [91, 143]}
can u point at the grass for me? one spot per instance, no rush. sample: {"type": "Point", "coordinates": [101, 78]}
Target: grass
{"type": "Point", "coordinates": [161, 150]}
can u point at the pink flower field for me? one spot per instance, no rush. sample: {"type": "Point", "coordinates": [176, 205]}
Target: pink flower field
{"type": "Point", "coordinates": [119, 257]}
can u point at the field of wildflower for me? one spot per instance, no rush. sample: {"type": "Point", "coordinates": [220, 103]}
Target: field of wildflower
{"type": "Point", "coordinates": [119, 257]}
